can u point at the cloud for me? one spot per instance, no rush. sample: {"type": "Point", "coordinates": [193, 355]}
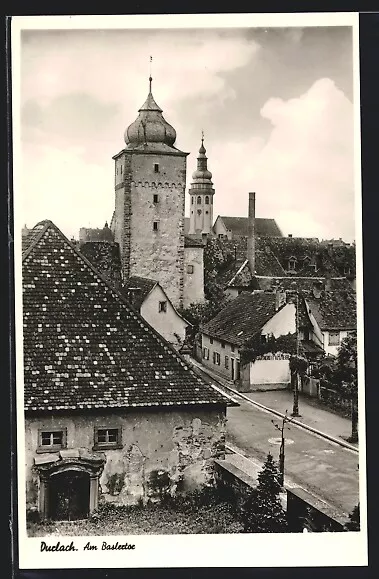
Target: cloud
{"type": "Point", "coordinates": [303, 174]}
{"type": "Point", "coordinates": [67, 190]}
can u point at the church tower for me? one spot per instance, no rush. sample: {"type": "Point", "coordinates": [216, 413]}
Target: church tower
{"type": "Point", "coordinates": [201, 192]}
{"type": "Point", "coordinates": [148, 221]}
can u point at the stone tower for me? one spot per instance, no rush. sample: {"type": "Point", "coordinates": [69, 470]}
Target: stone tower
{"type": "Point", "coordinates": [148, 221]}
{"type": "Point", "coordinates": [201, 192]}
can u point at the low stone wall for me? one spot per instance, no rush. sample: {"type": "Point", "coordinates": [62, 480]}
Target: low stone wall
{"type": "Point", "coordinates": [305, 511]}
{"type": "Point", "coordinates": [233, 482]}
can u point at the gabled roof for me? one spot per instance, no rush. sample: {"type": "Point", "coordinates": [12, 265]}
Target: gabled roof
{"type": "Point", "coordinates": [136, 289]}
{"type": "Point", "coordinates": [263, 227]}
{"type": "Point", "coordinates": [334, 310]}
{"type": "Point", "coordinates": [242, 318]}
{"type": "Point", "coordinates": [85, 347]}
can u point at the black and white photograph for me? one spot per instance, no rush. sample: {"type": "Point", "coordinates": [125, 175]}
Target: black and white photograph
{"type": "Point", "coordinates": [189, 295]}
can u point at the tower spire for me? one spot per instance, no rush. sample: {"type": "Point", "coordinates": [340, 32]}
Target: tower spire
{"type": "Point", "coordinates": [150, 77]}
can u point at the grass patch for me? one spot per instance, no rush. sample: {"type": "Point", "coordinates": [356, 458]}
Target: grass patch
{"type": "Point", "coordinates": [200, 512]}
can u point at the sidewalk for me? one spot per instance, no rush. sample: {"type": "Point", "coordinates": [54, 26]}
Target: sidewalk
{"type": "Point", "coordinates": [312, 413]}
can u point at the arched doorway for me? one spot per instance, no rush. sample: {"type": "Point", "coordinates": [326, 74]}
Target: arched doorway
{"type": "Point", "coordinates": [69, 484]}
{"type": "Point", "coordinates": [69, 493]}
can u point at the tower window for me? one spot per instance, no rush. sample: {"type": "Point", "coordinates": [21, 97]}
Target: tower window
{"type": "Point", "coordinates": [189, 268]}
{"type": "Point", "coordinates": [199, 200]}
{"type": "Point", "coordinates": [199, 211]}
{"type": "Point", "coordinates": [155, 198]}
{"type": "Point", "coordinates": [155, 225]}
{"type": "Point", "coordinates": [156, 167]}
{"type": "Point", "coordinates": [207, 200]}
{"type": "Point", "coordinates": [162, 307]}
{"type": "Point", "coordinates": [191, 200]}
{"type": "Point", "coordinates": [121, 169]}
{"type": "Point", "coordinates": [206, 213]}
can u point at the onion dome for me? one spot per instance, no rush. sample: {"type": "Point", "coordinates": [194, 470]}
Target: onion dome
{"type": "Point", "coordinates": [150, 125]}
{"type": "Point", "coordinates": [202, 174]}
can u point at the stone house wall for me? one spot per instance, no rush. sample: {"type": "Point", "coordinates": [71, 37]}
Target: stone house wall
{"type": "Point", "coordinates": [181, 443]}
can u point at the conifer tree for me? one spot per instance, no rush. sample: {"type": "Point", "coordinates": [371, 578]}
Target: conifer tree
{"type": "Point", "coordinates": [263, 511]}
{"type": "Point", "coordinates": [354, 522]}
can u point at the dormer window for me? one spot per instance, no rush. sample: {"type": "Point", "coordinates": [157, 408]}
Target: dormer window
{"type": "Point", "coordinates": [307, 261]}
{"type": "Point", "coordinates": [199, 200]}
{"type": "Point", "coordinates": [156, 167]}
{"type": "Point", "coordinates": [292, 264]}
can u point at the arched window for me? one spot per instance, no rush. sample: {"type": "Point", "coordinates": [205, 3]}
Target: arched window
{"type": "Point", "coordinates": [192, 200]}
{"type": "Point", "coordinates": [207, 200]}
{"type": "Point", "coordinates": [199, 211]}
{"type": "Point", "coordinates": [199, 200]}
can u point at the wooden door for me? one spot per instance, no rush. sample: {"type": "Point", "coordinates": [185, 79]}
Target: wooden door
{"type": "Point", "coordinates": [69, 496]}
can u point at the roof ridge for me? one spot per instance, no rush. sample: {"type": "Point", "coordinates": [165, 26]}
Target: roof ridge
{"type": "Point", "coordinates": [37, 238]}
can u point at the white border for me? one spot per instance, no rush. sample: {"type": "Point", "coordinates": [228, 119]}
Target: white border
{"type": "Point", "coordinates": [245, 550]}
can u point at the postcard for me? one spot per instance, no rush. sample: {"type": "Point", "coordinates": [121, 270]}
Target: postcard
{"type": "Point", "coordinates": [188, 285]}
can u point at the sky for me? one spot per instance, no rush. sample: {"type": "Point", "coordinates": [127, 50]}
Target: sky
{"type": "Point", "coordinates": [275, 104]}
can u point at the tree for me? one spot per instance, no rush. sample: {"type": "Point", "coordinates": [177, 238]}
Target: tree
{"type": "Point", "coordinates": [347, 376]}
{"type": "Point", "coordinates": [354, 523]}
{"type": "Point", "coordinates": [262, 511]}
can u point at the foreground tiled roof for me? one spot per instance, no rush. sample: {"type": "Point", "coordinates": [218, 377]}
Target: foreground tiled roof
{"type": "Point", "coordinates": [136, 289]}
{"type": "Point", "coordinates": [242, 318]}
{"type": "Point", "coordinates": [193, 241]}
{"type": "Point", "coordinates": [263, 227]}
{"type": "Point", "coordinates": [334, 310]}
{"type": "Point", "coordinates": [84, 345]}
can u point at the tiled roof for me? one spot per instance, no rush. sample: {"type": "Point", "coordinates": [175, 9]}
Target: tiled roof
{"type": "Point", "coordinates": [85, 347]}
{"type": "Point", "coordinates": [192, 241]}
{"type": "Point", "coordinates": [334, 310]}
{"type": "Point", "coordinates": [136, 289]}
{"type": "Point", "coordinates": [242, 318]}
{"type": "Point", "coordinates": [105, 257]}
{"type": "Point", "coordinates": [96, 234]}
{"type": "Point", "coordinates": [263, 227]}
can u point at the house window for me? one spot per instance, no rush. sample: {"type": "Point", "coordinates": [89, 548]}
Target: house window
{"type": "Point", "coordinates": [189, 268]}
{"type": "Point", "coordinates": [222, 344]}
{"type": "Point", "coordinates": [206, 213]}
{"type": "Point", "coordinates": [292, 264]}
{"type": "Point", "coordinates": [156, 167]}
{"type": "Point", "coordinates": [206, 200]}
{"type": "Point", "coordinates": [51, 440]}
{"type": "Point", "coordinates": [216, 358]}
{"type": "Point", "coordinates": [155, 225]}
{"type": "Point", "coordinates": [211, 340]}
{"type": "Point", "coordinates": [162, 308]}
{"type": "Point", "coordinates": [221, 236]}
{"type": "Point", "coordinates": [107, 437]}
{"type": "Point", "coordinates": [232, 348]}
{"type": "Point", "coordinates": [205, 353]}
{"type": "Point", "coordinates": [155, 198]}
{"type": "Point", "coordinates": [199, 200]}
{"type": "Point", "coordinates": [334, 338]}
{"type": "Point", "coordinates": [227, 362]}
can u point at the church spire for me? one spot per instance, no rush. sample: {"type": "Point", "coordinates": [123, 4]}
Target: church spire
{"type": "Point", "coordinates": [201, 192]}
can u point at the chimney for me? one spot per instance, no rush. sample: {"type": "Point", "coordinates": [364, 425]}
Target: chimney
{"type": "Point", "coordinates": [251, 234]}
